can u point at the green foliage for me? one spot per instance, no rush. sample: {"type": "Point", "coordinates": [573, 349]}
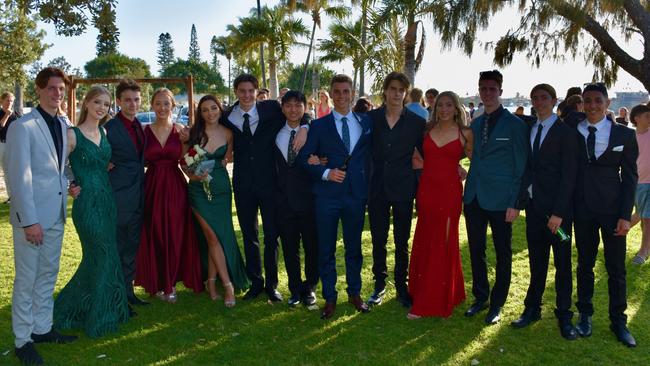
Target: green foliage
{"type": "Point", "coordinates": [21, 43]}
{"type": "Point", "coordinates": [194, 53]}
{"type": "Point", "coordinates": [165, 50]}
{"type": "Point", "coordinates": [71, 17]}
{"type": "Point", "coordinates": [293, 73]}
{"type": "Point", "coordinates": [117, 66]}
{"type": "Point", "coordinates": [216, 48]}
{"type": "Point", "coordinates": [108, 38]}
{"type": "Point", "coordinates": [206, 80]}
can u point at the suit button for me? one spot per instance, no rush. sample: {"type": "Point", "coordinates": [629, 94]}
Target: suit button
{"type": "Point", "coordinates": [59, 193]}
{"type": "Point", "coordinates": [252, 158]}
{"type": "Point", "coordinates": [388, 145]}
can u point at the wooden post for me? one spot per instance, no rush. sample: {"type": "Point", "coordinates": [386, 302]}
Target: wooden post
{"type": "Point", "coordinates": [71, 102]}
{"type": "Point", "coordinates": [189, 84]}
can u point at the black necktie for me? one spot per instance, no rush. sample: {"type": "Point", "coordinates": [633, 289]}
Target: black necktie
{"type": "Point", "coordinates": [246, 128]}
{"type": "Point", "coordinates": [538, 141]}
{"type": "Point", "coordinates": [591, 143]}
{"type": "Point", "coordinates": [138, 135]}
{"type": "Point", "coordinates": [291, 155]}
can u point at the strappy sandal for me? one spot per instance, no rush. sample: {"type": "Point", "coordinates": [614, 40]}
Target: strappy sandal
{"type": "Point", "coordinates": [211, 282]}
{"type": "Point", "coordinates": [229, 303]}
{"type": "Point", "coordinates": [639, 259]}
{"type": "Point", "coordinates": [410, 316]}
{"type": "Point", "coordinates": [171, 298]}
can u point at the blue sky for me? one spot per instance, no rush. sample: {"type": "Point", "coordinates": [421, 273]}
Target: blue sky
{"type": "Point", "coordinates": [141, 21]}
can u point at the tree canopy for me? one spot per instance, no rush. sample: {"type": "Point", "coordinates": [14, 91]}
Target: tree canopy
{"type": "Point", "coordinates": [108, 38]}
{"type": "Point", "coordinates": [194, 53]}
{"type": "Point", "coordinates": [117, 65]}
{"type": "Point", "coordinates": [206, 80]}
{"type": "Point", "coordinates": [165, 50]}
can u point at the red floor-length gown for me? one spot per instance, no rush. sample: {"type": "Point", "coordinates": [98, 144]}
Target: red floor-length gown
{"type": "Point", "coordinates": [168, 250]}
{"type": "Point", "coordinates": [436, 283]}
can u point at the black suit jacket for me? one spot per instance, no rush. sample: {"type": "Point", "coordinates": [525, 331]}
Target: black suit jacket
{"type": "Point", "coordinates": [127, 175]}
{"type": "Point", "coordinates": [391, 172]}
{"type": "Point", "coordinates": [608, 184]}
{"type": "Point", "coordinates": [553, 172]}
{"type": "Point", "coordinates": [253, 156]}
{"type": "Point", "coordinates": [293, 185]}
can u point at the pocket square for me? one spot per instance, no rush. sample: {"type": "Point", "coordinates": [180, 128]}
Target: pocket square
{"type": "Point", "coordinates": [503, 138]}
{"type": "Point", "coordinates": [618, 148]}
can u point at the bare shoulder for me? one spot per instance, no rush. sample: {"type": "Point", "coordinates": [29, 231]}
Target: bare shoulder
{"type": "Point", "coordinates": [179, 127]}
{"type": "Point", "coordinates": [467, 131]}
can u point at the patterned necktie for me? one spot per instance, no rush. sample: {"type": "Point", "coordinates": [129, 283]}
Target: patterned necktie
{"type": "Point", "coordinates": [591, 143]}
{"type": "Point", "coordinates": [485, 131]}
{"type": "Point", "coordinates": [345, 133]}
{"type": "Point", "coordinates": [291, 154]}
{"type": "Point", "coordinates": [246, 128]}
{"type": "Point", "coordinates": [538, 141]}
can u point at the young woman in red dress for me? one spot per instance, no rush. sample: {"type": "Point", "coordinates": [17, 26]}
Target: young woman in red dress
{"type": "Point", "coordinates": [168, 250]}
{"type": "Point", "coordinates": [436, 283]}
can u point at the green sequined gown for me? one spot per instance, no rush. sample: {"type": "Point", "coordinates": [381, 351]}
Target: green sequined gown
{"type": "Point", "coordinates": [218, 214]}
{"type": "Point", "coordinates": [95, 298]}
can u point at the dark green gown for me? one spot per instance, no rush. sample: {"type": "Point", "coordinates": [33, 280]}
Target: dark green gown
{"type": "Point", "coordinates": [95, 298]}
{"type": "Point", "coordinates": [218, 214]}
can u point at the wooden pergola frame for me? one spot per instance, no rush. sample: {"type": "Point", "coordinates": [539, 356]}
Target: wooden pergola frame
{"type": "Point", "coordinates": [72, 96]}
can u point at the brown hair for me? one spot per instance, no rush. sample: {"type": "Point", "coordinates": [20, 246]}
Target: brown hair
{"type": "Point", "coordinates": [572, 101]}
{"type": "Point", "coordinates": [460, 116]}
{"type": "Point", "coordinates": [44, 76]}
{"type": "Point", "coordinates": [395, 76]}
{"type": "Point", "coordinates": [545, 87]}
{"type": "Point", "coordinates": [637, 111]}
{"type": "Point", "coordinates": [197, 131]}
{"type": "Point", "coordinates": [242, 78]}
{"type": "Point", "coordinates": [165, 91]}
{"type": "Point", "coordinates": [340, 78]}
{"type": "Point", "coordinates": [494, 75]}
{"type": "Point", "coordinates": [124, 85]}
{"type": "Point", "coordinates": [95, 91]}
{"type": "Point", "coordinates": [6, 95]}
{"type": "Point", "coordinates": [416, 95]}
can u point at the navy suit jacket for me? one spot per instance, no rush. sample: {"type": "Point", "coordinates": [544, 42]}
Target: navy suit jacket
{"type": "Point", "coordinates": [323, 140]}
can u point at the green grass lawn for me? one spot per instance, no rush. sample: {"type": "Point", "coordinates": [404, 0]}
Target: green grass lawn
{"type": "Point", "coordinates": [197, 331]}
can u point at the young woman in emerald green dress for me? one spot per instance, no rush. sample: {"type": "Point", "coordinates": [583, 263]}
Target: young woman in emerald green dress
{"type": "Point", "coordinates": [95, 297]}
{"type": "Point", "coordinates": [214, 213]}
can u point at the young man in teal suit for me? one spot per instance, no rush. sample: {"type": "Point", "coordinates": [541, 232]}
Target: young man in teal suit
{"type": "Point", "coordinates": [492, 193]}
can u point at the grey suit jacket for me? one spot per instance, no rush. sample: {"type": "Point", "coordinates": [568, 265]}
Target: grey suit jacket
{"type": "Point", "coordinates": [38, 184]}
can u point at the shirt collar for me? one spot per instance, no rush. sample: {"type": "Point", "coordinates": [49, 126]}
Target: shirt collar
{"type": "Point", "coordinates": [289, 129]}
{"type": "Point", "coordinates": [252, 112]}
{"type": "Point", "coordinates": [547, 122]}
{"type": "Point", "coordinates": [338, 116]}
{"type": "Point", "coordinates": [125, 119]}
{"type": "Point", "coordinates": [46, 116]}
{"type": "Point", "coordinates": [599, 126]}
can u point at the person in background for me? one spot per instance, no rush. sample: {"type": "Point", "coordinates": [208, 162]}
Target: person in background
{"type": "Point", "coordinates": [362, 105]}
{"type": "Point", "coordinates": [575, 90]}
{"type": "Point", "coordinates": [640, 118]}
{"type": "Point", "coordinates": [416, 103]}
{"type": "Point", "coordinates": [324, 106]}
{"type": "Point", "coordinates": [519, 112]}
{"type": "Point", "coordinates": [263, 94]}
{"type": "Point", "coordinates": [7, 116]}
{"type": "Point", "coordinates": [430, 97]}
{"type": "Point", "coordinates": [623, 116]}
{"type": "Point", "coordinates": [472, 109]}
{"type": "Point", "coordinates": [282, 92]}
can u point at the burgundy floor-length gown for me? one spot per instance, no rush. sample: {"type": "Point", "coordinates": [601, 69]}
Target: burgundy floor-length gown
{"type": "Point", "coordinates": [168, 250]}
{"type": "Point", "coordinates": [436, 283]}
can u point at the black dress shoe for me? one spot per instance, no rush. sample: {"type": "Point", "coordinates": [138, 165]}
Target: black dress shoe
{"type": "Point", "coordinates": [493, 316]}
{"type": "Point", "coordinates": [404, 300]}
{"type": "Point", "coordinates": [583, 327]}
{"type": "Point", "coordinates": [358, 304]}
{"type": "Point", "coordinates": [623, 335]}
{"type": "Point", "coordinates": [27, 355]}
{"type": "Point", "coordinates": [527, 317]}
{"type": "Point", "coordinates": [475, 308]}
{"type": "Point", "coordinates": [133, 300]}
{"type": "Point", "coordinates": [132, 313]}
{"type": "Point", "coordinates": [328, 310]}
{"type": "Point", "coordinates": [567, 330]}
{"type": "Point", "coordinates": [274, 295]}
{"type": "Point", "coordinates": [309, 298]}
{"type": "Point", "coordinates": [294, 300]}
{"type": "Point", "coordinates": [252, 294]}
{"type": "Point", "coordinates": [53, 337]}
{"type": "Point", "coordinates": [377, 297]}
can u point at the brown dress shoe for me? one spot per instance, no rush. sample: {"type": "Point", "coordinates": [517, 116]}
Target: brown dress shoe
{"type": "Point", "coordinates": [358, 304]}
{"type": "Point", "coordinates": [328, 310]}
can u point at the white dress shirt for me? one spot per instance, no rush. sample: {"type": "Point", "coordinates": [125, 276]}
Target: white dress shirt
{"type": "Point", "coordinates": [604, 127]}
{"type": "Point", "coordinates": [236, 117]}
{"type": "Point", "coordinates": [282, 139]}
{"type": "Point", "coordinates": [546, 126]}
{"type": "Point", "coordinates": [354, 126]}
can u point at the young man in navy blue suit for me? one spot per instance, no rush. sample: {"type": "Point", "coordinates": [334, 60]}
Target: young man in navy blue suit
{"type": "Point", "coordinates": [341, 190]}
{"type": "Point", "coordinates": [492, 193]}
{"type": "Point", "coordinates": [604, 197]}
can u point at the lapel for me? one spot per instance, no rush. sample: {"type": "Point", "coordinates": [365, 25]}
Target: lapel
{"type": "Point", "coordinates": [331, 127]}
{"type": "Point", "coordinates": [614, 134]}
{"type": "Point", "coordinates": [42, 125]}
{"type": "Point", "coordinates": [125, 138]}
{"type": "Point", "coordinates": [364, 129]}
{"type": "Point", "coordinates": [64, 144]}
{"type": "Point", "coordinates": [260, 125]}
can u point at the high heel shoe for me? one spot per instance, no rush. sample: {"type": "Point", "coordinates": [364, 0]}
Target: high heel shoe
{"type": "Point", "coordinates": [229, 290]}
{"type": "Point", "coordinates": [210, 284]}
{"type": "Point", "coordinates": [171, 297]}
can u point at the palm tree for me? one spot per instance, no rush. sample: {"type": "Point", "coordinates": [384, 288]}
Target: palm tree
{"type": "Point", "coordinates": [344, 43]}
{"type": "Point", "coordinates": [410, 14]}
{"type": "Point", "coordinates": [366, 9]}
{"type": "Point", "coordinates": [316, 8]}
{"type": "Point", "coordinates": [223, 47]}
{"type": "Point", "coordinates": [275, 28]}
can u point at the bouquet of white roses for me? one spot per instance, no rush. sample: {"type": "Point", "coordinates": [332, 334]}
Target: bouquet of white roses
{"type": "Point", "coordinates": [196, 162]}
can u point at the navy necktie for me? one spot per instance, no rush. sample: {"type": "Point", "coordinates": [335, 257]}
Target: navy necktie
{"type": "Point", "coordinates": [538, 141]}
{"type": "Point", "coordinates": [291, 154]}
{"type": "Point", "coordinates": [246, 128]}
{"type": "Point", "coordinates": [591, 143]}
{"type": "Point", "coordinates": [345, 133]}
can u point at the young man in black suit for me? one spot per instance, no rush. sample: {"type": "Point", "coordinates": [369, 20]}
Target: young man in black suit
{"type": "Point", "coordinates": [294, 201]}
{"type": "Point", "coordinates": [604, 197]}
{"type": "Point", "coordinates": [549, 183]}
{"type": "Point", "coordinates": [255, 126]}
{"type": "Point", "coordinates": [396, 133]}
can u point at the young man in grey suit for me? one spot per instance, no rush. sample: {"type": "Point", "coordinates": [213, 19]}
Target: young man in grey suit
{"type": "Point", "coordinates": [35, 157]}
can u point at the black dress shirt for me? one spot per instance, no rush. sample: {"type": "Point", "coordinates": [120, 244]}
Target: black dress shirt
{"type": "Point", "coordinates": [493, 118]}
{"type": "Point", "coordinates": [3, 131]}
{"type": "Point", "coordinates": [54, 125]}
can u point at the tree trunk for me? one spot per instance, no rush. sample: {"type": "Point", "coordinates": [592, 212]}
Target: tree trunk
{"type": "Point", "coordinates": [409, 49]}
{"type": "Point", "coordinates": [364, 37]}
{"type": "Point", "coordinates": [354, 84]}
{"type": "Point", "coordinates": [259, 15]}
{"type": "Point", "coordinates": [273, 73]}
{"type": "Point", "coordinates": [18, 93]}
{"type": "Point", "coordinates": [229, 83]}
{"type": "Point", "coordinates": [304, 69]}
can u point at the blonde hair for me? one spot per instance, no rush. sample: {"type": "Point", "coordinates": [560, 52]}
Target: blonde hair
{"type": "Point", "coordinates": [92, 93]}
{"type": "Point", "coordinates": [460, 116]}
{"type": "Point", "coordinates": [6, 95]}
{"type": "Point", "coordinates": [327, 95]}
{"type": "Point", "coordinates": [165, 91]}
